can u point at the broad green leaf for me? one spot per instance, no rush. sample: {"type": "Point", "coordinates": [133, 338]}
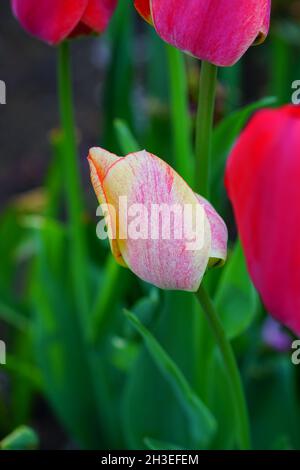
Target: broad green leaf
{"type": "Point", "coordinates": [14, 318]}
{"type": "Point", "coordinates": [68, 367]}
{"type": "Point", "coordinates": [23, 438]}
{"type": "Point", "coordinates": [221, 403]}
{"type": "Point", "coordinates": [236, 299]}
{"type": "Point", "coordinates": [126, 140]}
{"type": "Point", "coordinates": [26, 370]}
{"type": "Point", "coordinates": [228, 130]}
{"type": "Point", "coordinates": [146, 412]}
{"type": "Point", "coordinates": [224, 137]}
{"type": "Point", "coordinates": [201, 422]}
{"type": "Point", "coordinates": [146, 308]}
{"type": "Point", "coordinates": [272, 387]}
{"type": "Point", "coordinates": [154, 444]}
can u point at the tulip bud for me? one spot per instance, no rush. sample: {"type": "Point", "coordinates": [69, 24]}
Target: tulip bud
{"type": "Point", "coordinates": [219, 32]}
{"type": "Point", "coordinates": [53, 21]}
{"type": "Point", "coordinates": [262, 180]}
{"type": "Point", "coordinates": [158, 227]}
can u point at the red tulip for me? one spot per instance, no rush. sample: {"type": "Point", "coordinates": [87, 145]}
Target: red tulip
{"type": "Point", "coordinates": [56, 20]}
{"type": "Point", "coordinates": [263, 183]}
{"type": "Point", "coordinates": [218, 31]}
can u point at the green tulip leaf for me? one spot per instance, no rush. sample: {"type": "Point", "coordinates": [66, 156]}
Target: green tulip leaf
{"type": "Point", "coordinates": [202, 423]}
{"type": "Point", "coordinates": [154, 444]}
{"type": "Point", "coordinates": [22, 438]}
{"type": "Point", "coordinates": [236, 299]}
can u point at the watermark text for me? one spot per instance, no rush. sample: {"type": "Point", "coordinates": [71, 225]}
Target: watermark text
{"type": "Point", "coordinates": [2, 353]}
{"type": "Point", "coordinates": [296, 93]}
{"type": "Point", "coordinates": [2, 92]}
{"type": "Point", "coordinates": [296, 353]}
{"type": "Point", "coordinates": [182, 222]}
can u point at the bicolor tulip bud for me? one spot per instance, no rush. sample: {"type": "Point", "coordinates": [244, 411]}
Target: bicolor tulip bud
{"type": "Point", "coordinates": [217, 31]}
{"type": "Point", "coordinates": [158, 227]}
{"type": "Point", "coordinates": [53, 21]}
{"type": "Point", "coordinates": [262, 180]}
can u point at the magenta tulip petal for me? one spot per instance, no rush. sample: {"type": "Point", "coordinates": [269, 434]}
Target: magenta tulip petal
{"type": "Point", "coordinates": [52, 21]}
{"type": "Point", "coordinates": [218, 31]}
{"type": "Point", "coordinates": [262, 180]}
{"type": "Point", "coordinates": [98, 14]}
{"type": "Point", "coordinates": [168, 262]}
{"type": "Point", "coordinates": [55, 20]}
{"type": "Point", "coordinates": [143, 7]}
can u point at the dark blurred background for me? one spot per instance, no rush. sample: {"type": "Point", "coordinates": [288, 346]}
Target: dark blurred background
{"type": "Point", "coordinates": [28, 68]}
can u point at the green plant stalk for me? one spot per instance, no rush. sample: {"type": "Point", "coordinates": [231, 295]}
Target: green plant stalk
{"type": "Point", "coordinates": [204, 127]}
{"type": "Point", "coordinates": [204, 130]}
{"type": "Point", "coordinates": [181, 122]}
{"type": "Point", "coordinates": [54, 180]}
{"type": "Point", "coordinates": [78, 255]}
{"type": "Point", "coordinates": [242, 419]}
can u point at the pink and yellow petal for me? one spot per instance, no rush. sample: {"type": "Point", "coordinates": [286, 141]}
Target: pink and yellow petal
{"type": "Point", "coordinates": [166, 263]}
{"type": "Point", "coordinates": [219, 234]}
{"type": "Point", "coordinates": [146, 180]}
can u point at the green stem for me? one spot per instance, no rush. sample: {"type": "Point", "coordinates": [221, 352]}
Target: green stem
{"type": "Point", "coordinates": [204, 126]}
{"type": "Point", "coordinates": [181, 122]}
{"type": "Point", "coordinates": [230, 364]}
{"type": "Point", "coordinates": [77, 248]}
{"type": "Point", "coordinates": [72, 181]}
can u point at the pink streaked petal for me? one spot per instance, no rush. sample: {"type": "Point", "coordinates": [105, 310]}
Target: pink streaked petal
{"type": "Point", "coordinates": [50, 21]}
{"type": "Point", "coordinates": [219, 234]}
{"type": "Point", "coordinates": [98, 14]}
{"type": "Point", "coordinates": [217, 31]}
{"type": "Point", "coordinates": [147, 180]}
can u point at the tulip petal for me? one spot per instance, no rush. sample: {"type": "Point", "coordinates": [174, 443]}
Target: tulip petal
{"type": "Point", "coordinates": [50, 21]}
{"type": "Point", "coordinates": [262, 180]}
{"type": "Point", "coordinates": [219, 234]}
{"type": "Point", "coordinates": [265, 27]}
{"type": "Point", "coordinates": [143, 7]}
{"type": "Point", "coordinates": [146, 180]}
{"type": "Point", "coordinates": [98, 14]}
{"type": "Point", "coordinates": [217, 31]}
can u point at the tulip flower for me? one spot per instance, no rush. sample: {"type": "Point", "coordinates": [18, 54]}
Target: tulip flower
{"type": "Point", "coordinates": [55, 20]}
{"type": "Point", "coordinates": [217, 31]}
{"type": "Point", "coordinates": [147, 181]}
{"type": "Point", "coordinates": [262, 180]}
